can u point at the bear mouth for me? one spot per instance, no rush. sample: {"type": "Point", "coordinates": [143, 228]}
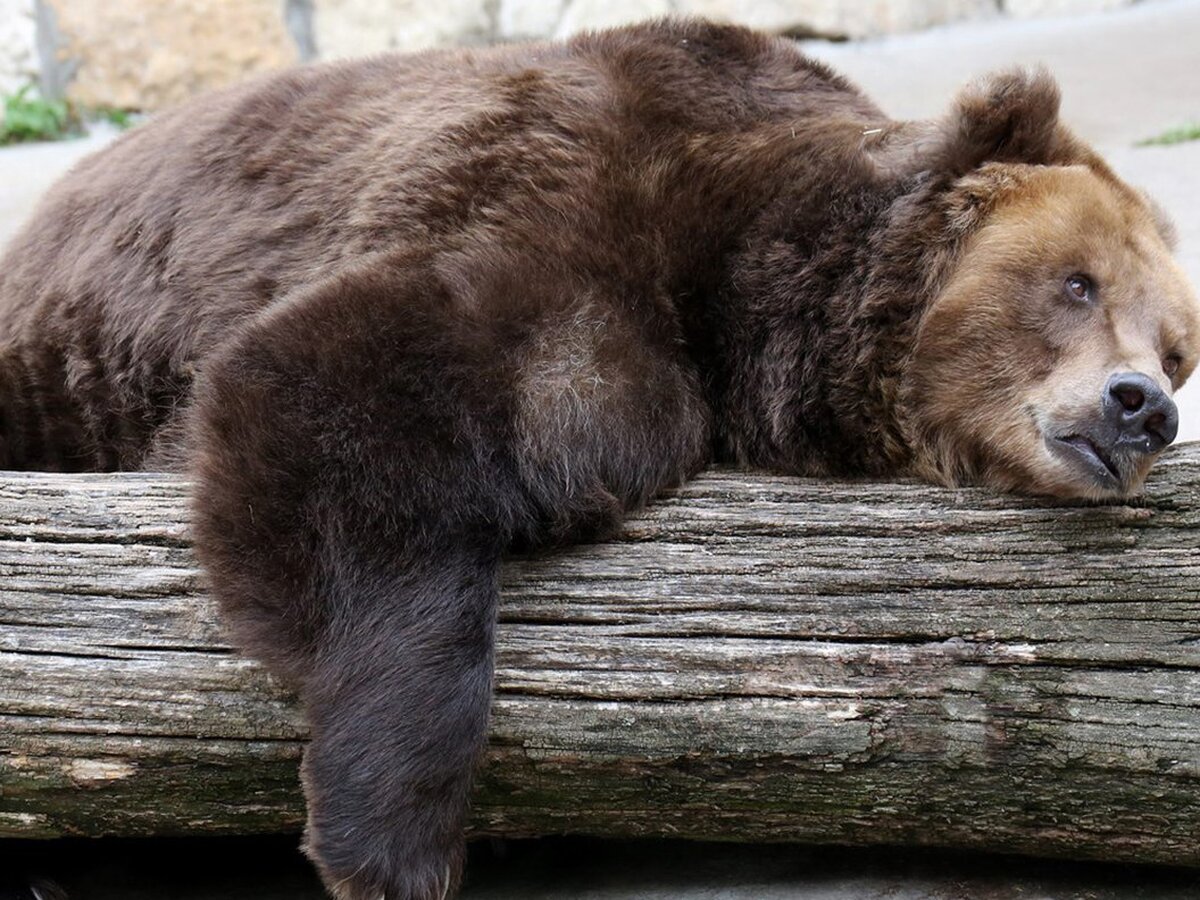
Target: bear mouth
{"type": "Point", "coordinates": [1086, 454]}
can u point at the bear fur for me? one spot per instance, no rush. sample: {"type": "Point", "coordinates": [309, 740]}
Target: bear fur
{"type": "Point", "coordinates": [401, 316]}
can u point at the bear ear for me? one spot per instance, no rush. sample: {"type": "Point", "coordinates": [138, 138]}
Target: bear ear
{"type": "Point", "coordinates": [1006, 117]}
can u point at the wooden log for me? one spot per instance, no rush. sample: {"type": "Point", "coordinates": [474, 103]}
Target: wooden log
{"type": "Point", "coordinates": [755, 658]}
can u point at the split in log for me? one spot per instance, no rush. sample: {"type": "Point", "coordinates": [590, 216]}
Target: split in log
{"type": "Point", "coordinates": [755, 658]}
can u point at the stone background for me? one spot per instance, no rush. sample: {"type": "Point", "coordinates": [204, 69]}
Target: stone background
{"type": "Point", "coordinates": [146, 54]}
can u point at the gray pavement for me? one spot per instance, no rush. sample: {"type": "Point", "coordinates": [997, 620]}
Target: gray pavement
{"type": "Point", "coordinates": [1125, 76]}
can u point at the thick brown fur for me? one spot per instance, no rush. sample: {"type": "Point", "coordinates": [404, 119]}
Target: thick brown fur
{"type": "Point", "coordinates": [401, 316]}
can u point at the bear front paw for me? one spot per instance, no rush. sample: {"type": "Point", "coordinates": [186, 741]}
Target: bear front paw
{"type": "Point", "coordinates": [406, 887]}
{"type": "Point", "coordinates": [400, 866]}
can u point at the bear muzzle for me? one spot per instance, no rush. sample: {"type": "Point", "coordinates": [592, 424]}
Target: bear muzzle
{"type": "Point", "coordinates": [1140, 413]}
{"type": "Point", "coordinates": [1135, 420]}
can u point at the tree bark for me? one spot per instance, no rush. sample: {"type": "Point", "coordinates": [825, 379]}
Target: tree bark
{"type": "Point", "coordinates": [755, 658]}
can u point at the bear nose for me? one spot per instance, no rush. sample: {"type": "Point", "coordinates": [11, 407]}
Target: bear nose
{"type": "Point", "coordinates": [1145, 418]}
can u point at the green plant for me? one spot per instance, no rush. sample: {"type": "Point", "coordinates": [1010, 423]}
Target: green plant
{"type": "Point", "coordinates": [121, 118]}
{"type": "Point", "coordinates": [1190, 132]}
{"type": "Point", "coordinates": [28, 117]}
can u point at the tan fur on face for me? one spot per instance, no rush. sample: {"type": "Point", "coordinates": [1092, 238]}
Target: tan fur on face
{"type": "Point", "coordinates": [1005, 358]}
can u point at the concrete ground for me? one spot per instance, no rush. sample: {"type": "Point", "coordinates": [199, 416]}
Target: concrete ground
{"type": "Point", "coordinates": [1125, 75]}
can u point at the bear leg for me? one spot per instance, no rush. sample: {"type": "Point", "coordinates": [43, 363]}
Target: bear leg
{"type": "Point", "coordinates": [398, 708]}
{"type": "Point", "coordinates": [363, 453]}
{"type": "Point", "coordinates": [353, 496]}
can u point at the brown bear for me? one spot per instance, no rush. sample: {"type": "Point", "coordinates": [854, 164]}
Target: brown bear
{"type": "Point", "coordinates": [403, 315]}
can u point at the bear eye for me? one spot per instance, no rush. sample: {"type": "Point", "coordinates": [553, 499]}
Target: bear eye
{"type": "Point", "coordinates": [1078, 287]}
{"type": "Point", "coordinates": [1171, 365]}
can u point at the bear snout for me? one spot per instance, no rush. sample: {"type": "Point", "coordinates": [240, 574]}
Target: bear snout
{"type": "Point", "coordinates": [1113, 447]}
{"type": "Point", "coordinates": [1142, 417]}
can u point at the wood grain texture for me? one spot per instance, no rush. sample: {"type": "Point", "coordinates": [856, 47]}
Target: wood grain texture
{"type": "Point", "coordinates": [755, 658]}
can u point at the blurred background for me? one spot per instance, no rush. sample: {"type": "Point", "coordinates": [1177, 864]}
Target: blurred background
{"type": "Point", "coordinates": [75, 73]}
{"type": "Point", "coordinates": [143, 54]}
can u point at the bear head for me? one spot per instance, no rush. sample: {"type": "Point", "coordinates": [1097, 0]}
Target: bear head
{"type": "Point", "coordinates": [1046, 358]}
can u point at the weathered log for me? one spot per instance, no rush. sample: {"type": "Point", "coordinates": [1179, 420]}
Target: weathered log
{"type": "Point", "coordinates": [755, 658]}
